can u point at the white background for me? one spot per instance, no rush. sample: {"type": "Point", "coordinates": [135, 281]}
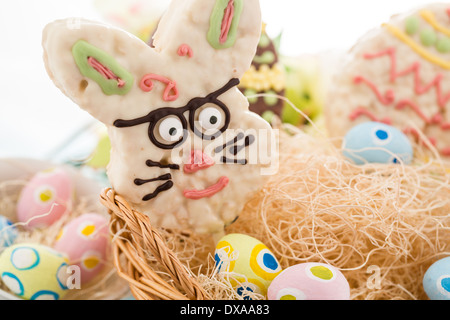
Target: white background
{"type": "Point", "coordinates": [35, 118]}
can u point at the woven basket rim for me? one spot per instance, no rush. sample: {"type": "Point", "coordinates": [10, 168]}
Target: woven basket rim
{"type": "Point", "coordinates": [130, 259]}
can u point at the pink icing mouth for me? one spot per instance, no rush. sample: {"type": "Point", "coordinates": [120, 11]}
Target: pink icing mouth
{"type": "Point", "coordinates": [208, 192]}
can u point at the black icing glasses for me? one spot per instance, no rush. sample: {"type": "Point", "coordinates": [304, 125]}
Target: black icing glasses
{"type": "Point", "coordinates": [208, 118]}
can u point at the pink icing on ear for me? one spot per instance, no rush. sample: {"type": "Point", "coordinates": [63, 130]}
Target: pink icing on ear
{"type": "Point", "coordinates": [185, 50]}
{"type": "Point", "coordinates": [170, 93]}
{"type": "Point", "coordinates": [105, 72]}
{"type": "Point", "coordinates": [209, 192]}
{"type": "Point", "coordinates": [226, 22]}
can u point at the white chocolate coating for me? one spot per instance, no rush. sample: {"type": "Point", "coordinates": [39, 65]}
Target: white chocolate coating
{"type": "Point", "coordinates": [186, 22]}
{"type": "Point", "coordinates": [416, 97]}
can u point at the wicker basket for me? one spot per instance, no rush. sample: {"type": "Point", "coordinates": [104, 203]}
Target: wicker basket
{"type": "Point", "coordinates": [132, 262]}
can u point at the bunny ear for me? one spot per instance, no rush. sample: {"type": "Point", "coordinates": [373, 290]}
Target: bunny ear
{"type": "Point", "coordinates": [224, 31]}
{"type": "Point", "coordinates": [89, 63]}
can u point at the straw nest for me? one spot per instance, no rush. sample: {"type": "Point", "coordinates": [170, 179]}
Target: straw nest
{"type": "Point", "coordinates": [381, 225]}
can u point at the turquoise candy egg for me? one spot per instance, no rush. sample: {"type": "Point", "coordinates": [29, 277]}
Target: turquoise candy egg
{"type": "Point", "coordinates": [8, 233]}
{"type": "Point", "coordinates": [374, 142]}
{"type": "Point", "coordinates": [436, 281]}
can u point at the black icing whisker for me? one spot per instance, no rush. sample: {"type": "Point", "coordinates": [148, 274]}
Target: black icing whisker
{"type": "Point", "coordinates": [225, 160]}
{"type": "Point", "coordinates": [160, 165]}
{"type": "Point", "coordinates": [249, 140]}
{"type": "Point", "coordinates": [166, 186]}
{"type": "Point", "coordinates": [140, 182]}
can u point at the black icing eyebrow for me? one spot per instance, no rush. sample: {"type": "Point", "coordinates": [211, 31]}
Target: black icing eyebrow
{"type": "Point", "coordinates": [132, 123]}
{"type": "Point", "coordinates": [162, 112]}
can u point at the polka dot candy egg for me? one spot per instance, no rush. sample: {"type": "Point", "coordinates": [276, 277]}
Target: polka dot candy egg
{"type": "Point", "coordinates": [309, 281]}
{"type": "Point", "coordinates": [45, 199]}
{"type": "Point", "coordinates": [85, 240]}
{"type": "Point", "coordinates": [34, 272]}
{"type": "Point", "coordinates": [373, 142]}
{"type": "Point", "coordinates": [436, 281]}
{"type": "Point", "coordinates": [250, 263]}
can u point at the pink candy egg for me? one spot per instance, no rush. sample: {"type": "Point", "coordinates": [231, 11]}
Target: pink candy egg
{"type": "Point", "coordinates": [45, 199]}
{"type": "Point", "coordinates": [85, 241]}
{"type": "Point", "coordinates": [309, 281]}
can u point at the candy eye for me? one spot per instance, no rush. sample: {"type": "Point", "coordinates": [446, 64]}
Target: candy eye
{"type": "Point", "coordinates": [443, 285]}
{"type": "Point", "coordinates": [381, 136]}
{"type": "Point", "coordinates": [171, 130]}
{"type": "Point", "coordinates": [210, 119]}
{"type": "Point", "coordinates": [264, 263]}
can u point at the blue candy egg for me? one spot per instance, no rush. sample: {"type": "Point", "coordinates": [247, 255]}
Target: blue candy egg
{"type": "Point", "coordinates": [436, 281]}
{"type": "Point", "coordinates": [8, 233]}
{"type": "Point", "coordinates": [374, 142]}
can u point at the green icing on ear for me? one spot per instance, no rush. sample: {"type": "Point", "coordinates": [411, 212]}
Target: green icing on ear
{"type": "Point", "coordinates": [82, 51]}
{"type": "Point", "coordinates": [216, 21]}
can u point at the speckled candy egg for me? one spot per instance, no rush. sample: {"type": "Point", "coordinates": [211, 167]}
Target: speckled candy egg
{"type": "Point", "coordinates": [85, 241]}
{"type": "Point", "coordinates": [8, 233]}
{"type": "Point", "coordinates": [309, 281]}
{"type": "Point", "coordinates": [436, 281]}
{"type": "Point", "coordinates": [249, 261]}
{"type": "Point", "coordinates": [34, 272]}
{"type": "Point", "coordinates": [374, 142]}
{"type": "Point", "coordinates": [46, 197]}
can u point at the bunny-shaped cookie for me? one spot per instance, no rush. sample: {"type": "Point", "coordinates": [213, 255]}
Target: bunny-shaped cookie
{"type": "Point", "coordinates": [185, 148]}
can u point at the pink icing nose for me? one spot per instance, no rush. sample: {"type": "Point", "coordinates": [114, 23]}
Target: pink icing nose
{"type": "Point", "coordinates": [198, 161]}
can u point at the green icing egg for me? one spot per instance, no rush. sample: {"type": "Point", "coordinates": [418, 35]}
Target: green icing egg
{"type": "Point", "coordinates": [267, 57]}
{"type": "Point", "coordinates": [412, 25]}
{"type": "Point", "coordinates": [264, 41]}
{"type": "Point", "coordinates": [443, 45]}
{"type": "Point", "coordinates": [271, 99]}
{"type": "Point", "coordinates": [428, 37]}
{"type": "Point", "coordinates": [250, 94]}
{"type": "Point", "coordinates": [268, 116]}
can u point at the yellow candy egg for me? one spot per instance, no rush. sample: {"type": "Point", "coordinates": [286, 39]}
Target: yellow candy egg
{"type": "Point", "coordinates": [250, 264]}
{"type": "Point", "coordinates": [34, 272]}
